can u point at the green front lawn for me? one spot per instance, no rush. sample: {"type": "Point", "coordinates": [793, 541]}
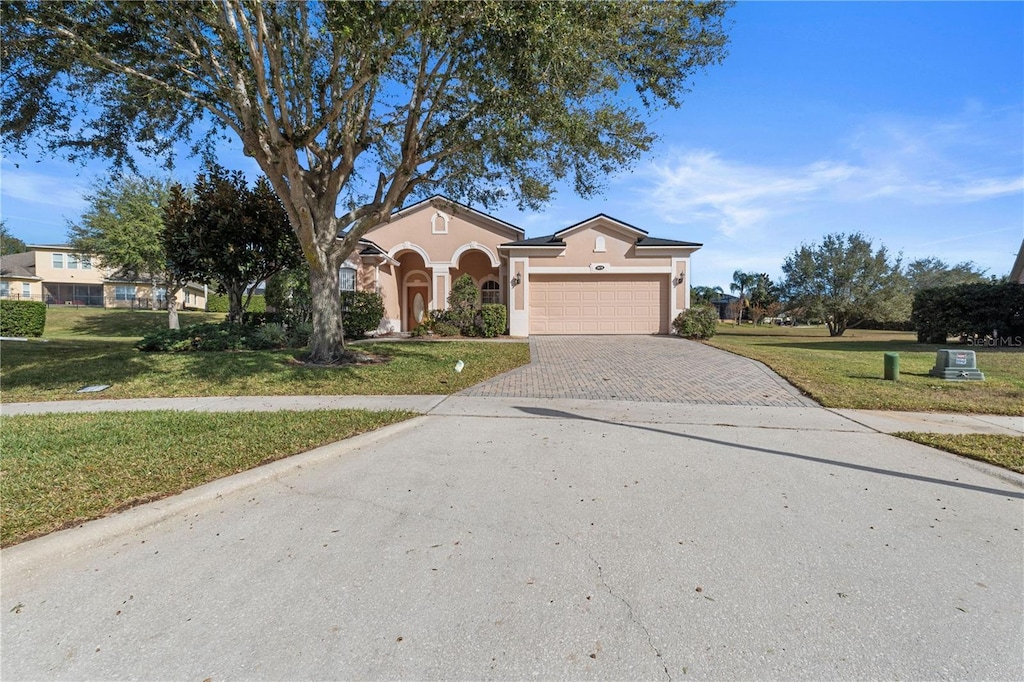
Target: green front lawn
{"type": "Point", "coordinates": [1004, 451]}
{"type": "Point", "coordinates": [847, 371]}
{"type": "Point", "coordinates": [34, 370]}
{"type": "Point", "coordinates": [60, 470]}
{"type": "Point", "coordinates": [104, 323]}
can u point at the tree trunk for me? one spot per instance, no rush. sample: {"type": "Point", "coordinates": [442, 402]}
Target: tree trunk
{"type": "Point", "coordinates": [327, 344]}
{"type": "Point", "coordinates": [234, 304]}
{"type": "Point", "coordinates": [172, 308]}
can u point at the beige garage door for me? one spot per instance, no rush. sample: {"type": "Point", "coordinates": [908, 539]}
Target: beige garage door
{"type": "Point", "coordinates": [598, 304]}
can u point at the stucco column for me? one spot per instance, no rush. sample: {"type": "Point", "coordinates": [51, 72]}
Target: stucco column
{"type": "Point", "coordinates": [518, 296]}
{"type": "Point", "coordinates": [442, 285]}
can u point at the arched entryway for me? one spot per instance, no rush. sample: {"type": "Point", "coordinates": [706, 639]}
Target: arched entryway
{"type": "Point", "coordinates": [415, 295]}
{"type": "Point", "coordinates": [477, 264]}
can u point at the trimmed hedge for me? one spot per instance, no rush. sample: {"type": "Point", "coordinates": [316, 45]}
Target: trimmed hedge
{"type": "Point", "coordinates": [218, 303]}
{"type": "Point", "coordinates": [22, 318]}
{"type": "Point", "coordinates": [977, 311]}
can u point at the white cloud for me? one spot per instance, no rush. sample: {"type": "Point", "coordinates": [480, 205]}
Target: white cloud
{"type": "Point", "coordinates": [37, 188]}
{"type": "Point", "coordinates": [957, 161]}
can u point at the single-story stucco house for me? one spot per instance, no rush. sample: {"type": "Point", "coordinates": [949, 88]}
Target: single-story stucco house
{"type": "Point", "coordinates": [599, 276]}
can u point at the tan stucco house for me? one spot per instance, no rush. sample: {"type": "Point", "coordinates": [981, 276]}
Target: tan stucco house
{"type": "Point", "coordinates": [56, 274]}
{"type": "Point", "coordinates": [599, 276]}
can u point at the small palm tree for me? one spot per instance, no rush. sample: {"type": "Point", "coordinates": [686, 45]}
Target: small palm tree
{"type": "Point", "coordinates": [742, 282]}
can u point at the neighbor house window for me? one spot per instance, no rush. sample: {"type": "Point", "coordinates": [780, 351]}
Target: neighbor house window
{"type": "Point", "coordinates": [160, 294]}
{"type": "Point", "coordinates": [58, 261]}
{"type": "Point", "coordinates": [26, 290]}
{"type": "Point", "coordinates": [124, 293]}
{"type": "Point", "coordinates": [72, 261]}
{"type": "Point", "coordinates": [347, 279]}
{"type": "Point", "coordinates": [86, 262]}
{"type": "Point", "coordinates": [490, 292]}
{"type": "Point", "coordinates": [5, 289]}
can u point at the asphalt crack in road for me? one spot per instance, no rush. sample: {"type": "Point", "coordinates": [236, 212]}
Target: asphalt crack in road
{"type": "Point", "coordinates": [625, 602]}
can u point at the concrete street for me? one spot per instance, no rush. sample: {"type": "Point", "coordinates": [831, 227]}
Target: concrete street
{"type": "Point", "coordinates": [524, 537]}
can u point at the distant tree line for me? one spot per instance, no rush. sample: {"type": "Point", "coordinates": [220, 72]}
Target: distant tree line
{"type": "Point", "coordinates": [844, 282]}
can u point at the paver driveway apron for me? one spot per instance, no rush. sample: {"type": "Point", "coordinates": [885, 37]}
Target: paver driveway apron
{"type": "Point", "coordinates": [643, 369]}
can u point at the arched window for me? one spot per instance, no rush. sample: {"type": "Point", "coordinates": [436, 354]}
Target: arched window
{"type": "Point", "coordinates": [439, 223]}
{"type": "Point", "coordinates": [599, 245]}
{"type": "Point", "coordinates": [490, 292]}
{"type": "Point", "coordinates": [347, 279]}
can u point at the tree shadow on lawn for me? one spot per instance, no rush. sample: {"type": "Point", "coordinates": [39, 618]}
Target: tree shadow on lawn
{"type": "Point", "coordinates": [859, 346]}
{"type": "Point", "coordinates": [51, 367]}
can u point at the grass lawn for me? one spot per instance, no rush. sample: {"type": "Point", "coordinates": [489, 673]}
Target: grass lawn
{"type": "Point", "coordinates": [61, 470]}
{"type": "Point", "coordinates": [96, 347]}
{"type": "Point", "coordinates": [847, 371]}
{"type": "Point", "coordinates": [1004, 451]}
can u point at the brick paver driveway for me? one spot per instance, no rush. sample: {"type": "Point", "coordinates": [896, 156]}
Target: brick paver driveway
{"type": "Point", "coordinates": [640, 368]}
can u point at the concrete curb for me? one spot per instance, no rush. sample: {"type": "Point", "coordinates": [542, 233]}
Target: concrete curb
{"type": "Point", "coordinates": [28, 556]}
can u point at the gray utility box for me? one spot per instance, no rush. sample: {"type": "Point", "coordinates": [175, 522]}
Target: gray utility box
{"type": "Point", "coordinates": [956, 365]}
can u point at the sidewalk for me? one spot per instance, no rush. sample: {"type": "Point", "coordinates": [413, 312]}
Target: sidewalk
{"type": "Point", "coordinates": [875, 420]}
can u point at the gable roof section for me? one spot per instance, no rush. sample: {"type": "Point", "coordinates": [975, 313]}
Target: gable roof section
{"type": "Point", "coordinates": [641, 238]}
{"type": "Point", "coordinates": [606, 220]}
{"type": "Point", "coordinates": [19, 265]}
{"type": "Point", "coordinates": [549, 241]}
{"type": "Point", "coordinates": [443, 201]}
{"type": "Point", "coordinates": [654, 241]}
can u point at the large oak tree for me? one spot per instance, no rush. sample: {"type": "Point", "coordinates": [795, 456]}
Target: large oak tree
{"type": "Point", "coordinates": [351, 107]}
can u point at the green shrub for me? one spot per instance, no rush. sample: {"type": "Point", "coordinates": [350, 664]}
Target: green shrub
{"type": "Point", "coordinates": [270, 335]}
{"type": "Point", "coordinates": [970, 311]}
{"type": "Point", "coordinates": [198, 337]}
{"type": "Point", "coordinates": [700, 322]}
{"type": "Point", "coordinates": [462, 305]}
{"type": "Point", "coordinates": [299, 333]}
{"type": "Point", "coordinates": [445, 329]}
{"type": "Point", "coordinates": [494, 317]}
{"type": "Point", "coordinates": [22, 318]}
{"type": "Point", "coordinates": [218, 303]}
{"type": "Point", "coordinates": [361, 312]}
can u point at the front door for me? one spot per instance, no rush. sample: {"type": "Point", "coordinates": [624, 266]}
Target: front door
{"type": "Point", "coordinates": [415, 305]}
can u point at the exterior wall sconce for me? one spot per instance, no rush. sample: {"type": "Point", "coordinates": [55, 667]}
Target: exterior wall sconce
{"type": "Point", "coordinates": [517, 280]}
{"type": "Point", "coordinates": [680, 279]}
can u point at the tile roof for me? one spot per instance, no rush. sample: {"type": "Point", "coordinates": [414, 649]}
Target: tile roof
{"type": "Point", "coordinates": [548, 240]}
{"type": "Point", "coordinates": [654, 241]}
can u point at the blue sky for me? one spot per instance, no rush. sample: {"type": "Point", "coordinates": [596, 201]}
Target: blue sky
{"type": "Point", "coordinates": [903, 121]}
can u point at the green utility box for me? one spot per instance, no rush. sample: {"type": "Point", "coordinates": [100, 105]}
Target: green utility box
{"type": "Point", "coordinates": [892, 366]}
{"type": "Point", "coordinates": [956, 365]}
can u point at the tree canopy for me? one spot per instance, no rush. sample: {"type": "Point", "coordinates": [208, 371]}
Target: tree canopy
{"type": "Point", "coordinates": [123, 228]}
{"type": "Point", "coordinates": [10, 244]}
{"type": "Point", "coordinates": [844, 280]}
{"type": "Point", "coordinates": [228, 234]}
{"type": "Point", "coordinates": [351, 107]}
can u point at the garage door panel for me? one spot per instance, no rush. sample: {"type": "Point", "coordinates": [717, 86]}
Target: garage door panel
{"type": "Point", "coordinates": [601, 304]}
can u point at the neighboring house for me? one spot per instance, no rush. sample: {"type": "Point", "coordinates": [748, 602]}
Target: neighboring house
{"type": "Point", "coordinates": [58, 275]}
{"type": "Point", "coordinates": [1017, 271]}
{"type": "Point", "coordinates": [724, 304]}
{"type": "Point", "coordinates": [599, 276]}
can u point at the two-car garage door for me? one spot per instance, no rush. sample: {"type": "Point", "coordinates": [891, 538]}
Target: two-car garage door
{"type": "Point", "coordinates": [599, 304]}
